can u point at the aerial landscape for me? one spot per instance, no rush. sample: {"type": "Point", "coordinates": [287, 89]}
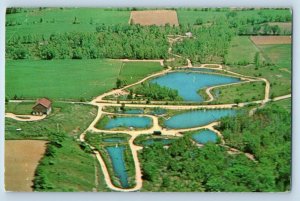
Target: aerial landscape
{"type": "Point", "coordinates": [148, 100]}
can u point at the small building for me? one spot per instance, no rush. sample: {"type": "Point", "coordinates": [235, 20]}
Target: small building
{"type": "Point", "coordinates": [189, 34]}
{"type": "Point", "coordinates": [42, 106]}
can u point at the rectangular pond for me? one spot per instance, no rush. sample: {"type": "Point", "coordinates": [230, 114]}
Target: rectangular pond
{"type": "Point", "coordinates": [188, 83]}
{"type": "Point", "coordinates": [129, 121]}
{"type": "Point", "coordinates": [116, 155]}
{"type": "Point", "coordinates": [205, 136]}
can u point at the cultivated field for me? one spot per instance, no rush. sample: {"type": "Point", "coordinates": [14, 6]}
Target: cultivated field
{"type": "Point", "coordinates": [21, 160]}
{"type": "Point", "coordinates": [280, 55]}
{"type": "Point", "coordinates": [268, 40]}
{"type": "Point", "coordinates": [154, 17]}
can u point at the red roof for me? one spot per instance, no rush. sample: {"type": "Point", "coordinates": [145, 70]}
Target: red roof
{"type": "Point", "coordinates": [44, 102]}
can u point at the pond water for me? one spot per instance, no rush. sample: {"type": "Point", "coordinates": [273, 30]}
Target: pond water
{"type": "Point", "coordinates": [116, 155]}
{"type": "Point", "coordinates": [188, 83]}
{"type": "Point", "coordinates": [114, 139]}
{"type": "Point", "coordinates": [157, 140]}
{"type": "Point", "coordinates": [135, 122]}
{"type": "Point", "coordinates": [205, 136]}
{"type": "Point", "coordinates": [197, 118]}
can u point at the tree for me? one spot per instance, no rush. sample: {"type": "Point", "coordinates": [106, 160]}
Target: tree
{"type": "Point", "coordinates": [257, 59]}
{"type": "Point", "coordinates": [118, 83]}
{"type": "Point", "coordinates": [199, 21]}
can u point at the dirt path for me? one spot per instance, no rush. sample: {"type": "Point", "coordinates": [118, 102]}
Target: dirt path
{"type": "Point", "coordinates": [25, 117]}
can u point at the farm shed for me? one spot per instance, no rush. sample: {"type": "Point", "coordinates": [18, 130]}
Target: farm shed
{"type": "Point", "coordinates": [42, 106]}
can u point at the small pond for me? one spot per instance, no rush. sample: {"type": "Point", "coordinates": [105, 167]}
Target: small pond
{"type": "Point", "coordinates": [163, 141]}
{"type": "Point", "coordinates": [129, 121]}
{"type": "Point", "coordinates": [116, 155]}
{"type": "Point", "coordinates": [114, 139]}
{"type": "Point", "coordinates": [197, 118]}
{"type": "Point", "coordinates": [205, 136]}
{"type": "Point", "coordinates": [189, 83]}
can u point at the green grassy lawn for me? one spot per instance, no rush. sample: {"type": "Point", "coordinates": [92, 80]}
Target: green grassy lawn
{"type": "Point", "coordinates": [280, 55]}
{"type": "Point", "coordinates": [285, 103]}
{"type": "Point", "coordinates": [60, 79]}
{"type": "Point", "coordinates": [241, 50]}
{"type": "Point", "coordinates": [280, 81]}
{"type": "Point", "coordinates": [55, 20]}
{"type": "Point", "coordinates": [19, 108]}
{"type": "Point", "coordinates": [70, 169]}
{"type": "Point", "coordinates": [244, 92]}
{"type": "Point", "coordinates": [70, 118]}
{"type": "Point", "coordinates": [132, 72]}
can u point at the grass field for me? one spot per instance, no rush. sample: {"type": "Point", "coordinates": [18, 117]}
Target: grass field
{"type": "Point", "coordinates": [132, 72]}
{"type": "Point", "coordinates": [71, 79]}
{"type": "Point", "coordinates": [19, 108]}
{"type": "Point", "coordinates": [21, 160]}
{"type": "Point", "coordinates": [55, 20]}
{"type": "Point", "coordinates": [70, 169]}
{"type": "Point", "coordinates": [241, 92]}
{"type": "Point", "coordinates": [280, 55]}
{"type": "Point", "coordinates": [241, 50]}
{"type": "Point", "coordinates": [70, 118]}
{"type": "Point", "coordinates": [285, 103]}
{"type": "Point", "coordinates": [60, 79]}
{"type": "Point", "coordinates": [189, 16]}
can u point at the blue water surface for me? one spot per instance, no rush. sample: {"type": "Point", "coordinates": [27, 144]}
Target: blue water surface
{"type": "Point", "coordinates": [157, 140]}
{"type": "Point", "coordinates": [205, 136]}
{"type": "Point", "coordinates": [116, 155]}
{"type": "Point", "coordinates": [188, 83]}
{"type": "Point", "coordinates": [114, 139]}
{"type": "Point", "coordinates": [136, 122]}
{"type": "Point", "coordinates": [197, 118]}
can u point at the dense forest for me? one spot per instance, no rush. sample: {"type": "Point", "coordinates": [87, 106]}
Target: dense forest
{"type": "Point", "coordinates": [187, 167]}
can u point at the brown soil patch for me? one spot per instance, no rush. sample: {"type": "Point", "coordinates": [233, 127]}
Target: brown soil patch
{"type": "Point", "coordinates": [269, 40]}
{"type": "Point", "coordinates": [21, 160]}
{"type": "Point", "coordinates": [154, 17]}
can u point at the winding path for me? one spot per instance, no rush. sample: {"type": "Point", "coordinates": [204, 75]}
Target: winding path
{"type": "Point", "coordinates": [24, 117]}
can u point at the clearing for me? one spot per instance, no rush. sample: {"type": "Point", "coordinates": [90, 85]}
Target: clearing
{"type": "Point", "coordinates": [241, 50]}
{"type": "Point", "coordinates": [21, 160]}
{"type": "Point", "coordinates": [269, 40]}
{"type": "Point", "coordinates": [154, 17]}
{"type": "Point", "coordinates": [132, 72]}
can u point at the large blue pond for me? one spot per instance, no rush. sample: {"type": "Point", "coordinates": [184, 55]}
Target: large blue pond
{"type": "Point", "coordinates": [188, 83]}
{"type": "Point", "coordinates": [197, 118]}
{"type": "Point", "coordinates": [136, 122]}
{"type": "Point", "coordinates": [116, 155]}
{"type": "Point", "coordinates": [205, 136]}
